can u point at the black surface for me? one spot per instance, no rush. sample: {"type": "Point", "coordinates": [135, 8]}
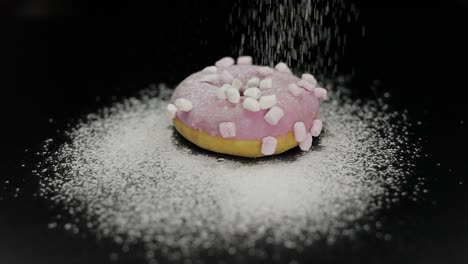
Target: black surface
{"type": "Point", "coordinates": [60, 60]}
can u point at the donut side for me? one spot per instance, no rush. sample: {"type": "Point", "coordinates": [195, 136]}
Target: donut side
{"type": "Point", "coordinates": [236, 147]}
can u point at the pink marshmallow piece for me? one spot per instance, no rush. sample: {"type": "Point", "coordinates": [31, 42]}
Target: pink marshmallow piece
{"type": "Point", "coordinates": [226, 77]}
{"type": "Point", "coordinates": [306, 85]}
{"type": "Point", "coordinates": [310, 78]}
{"type": "Point", "coordinates": [274, 115]}
{"type": "Point", "coordinates": [269, 145]}
{"type": "Point", "coordinates": [316, 128]}
{"type": "Point", "coordinates": [227, 129]}
{"type": "Point", "coordinates": [307, 143]}
{"type": "Point", "coordinates": [295, 90]}
{"type": "Point", "coordinates": [320, 93]}
{"type": "Point", "coordinates": [300, 131]}
{"type": "Point", "coordinates": [225, 62]}
{"type": "Point", "coordinates": [171, 111]}
{"type": "Point", "coordinates": [265, 70]}
{"type": "Point", "coordinates": [244, 60]}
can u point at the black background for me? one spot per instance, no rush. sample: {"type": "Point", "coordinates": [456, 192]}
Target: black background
{"type": "Point", "coordinates": [68, 58]}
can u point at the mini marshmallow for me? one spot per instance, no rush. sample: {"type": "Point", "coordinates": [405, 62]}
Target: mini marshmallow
{"type": "Point", "coordinates": [227, 129]}
{"type": "Point", "coordinates": [300, 131]}
{"type": "Point", "coordinates": [183, 104]}
{"type": "Point", "coordinates": [236, 83]}
{"type": "Point", "coordinates": [295, 90]}
{"type": "Point", "coordinates": [265, 70]}
{"type": "Point", "coordinates": [269, 145]}
{"type": "Point", "coordinates": [251, 104]}
{"type": "Point", "coordinates": [253, 82]}
{"type": "Point", "coordinates": [210, 69]}
{"type": "Point", "coordinates": [244, 60]}
{"type": "Point", "coordinates": [274, 115]}
{"type": "Point", "coordinates": [316, 128]}
{"type": "Point", "coordinates": [233, 95]}
{"type": "Point", "coordinates": [171, 111]}
{"type": "Point", "coordinates": [267, 101]}
{"type": "Point", "coordinates": [306, 144]}
{"type": "Point", "coordinates": [210, 78]}
{"type": "Point", "coordinates": [221, 92]}
{"type": "Point", "coordinates": [266, 84]}
{"type": "Point", "coordinates": [252, 92]}
{"type": "Point", "coordinates": [320, 93]}
{"type": "Point", "coordinates": [282, 67]}
{"type": "Point", "coordinates": [310, 78]}
{"type": "Point", "coordinates": [306, 85]}
{"type": "Point", "coordinates": [225, 62]}
{"type": "Point", "coordinates": [226, 77]}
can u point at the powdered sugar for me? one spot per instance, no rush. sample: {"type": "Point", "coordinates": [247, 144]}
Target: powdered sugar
{"type": "Point", "coordinates": [128, 175]}
{"type": "Point", "coordinates": [306, 34]}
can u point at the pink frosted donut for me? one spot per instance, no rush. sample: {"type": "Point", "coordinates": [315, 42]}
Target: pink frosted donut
{"type": "Point", "coordinates": [247, 110]}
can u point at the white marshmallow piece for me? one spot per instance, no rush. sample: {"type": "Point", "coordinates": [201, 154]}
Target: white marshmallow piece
{"type": "Point", "coordinates": [251, 104]}
{"type": "Point", "coordinates": [171, 111]}
{"type": "Point", "coordinates": [320, 93]}
{"type": "Point", "coordinates": [253, 82]}
{"type": "Point", "coordinates": [265, 71]}
{"type": "Point", "coordinates": [253, 93]}
{"type": "Point", "coordinates": [183, 104]}
{"type": "Point", "coordinates": [282, 67]}
{"type": "Point", "coordinates": [210, 69]}
{"type": "Point", "coordinates": [306, 85]}
{"type": "Point", "coordinates": [269, 145]}
{"type": "Point", "coordinates": [227, 129]}
{"type": "Point", "coordinates": [211, 78]}
{"type": "Point", "coordinates": [300, 131]}
{"type": "Point", "coordinates": [221, 92]}
{"type": "Point", "coordinates": [316, 128]}
{"type": "Point", "coordinates": [266, 84]}
{"type": "Point", "coordinates": [226, 77]}
{"type": "Point", "coordinates": [244, 60]}
{"type": "Point", "coordinates": [306, 144]}
{"type": "Point", "coordinates": [295, 90]}
{"type": "Point", "coordinates": [225, 62]}
{"type": "Point", "coordinates": [267, 101]}
{"type": "Point", "coordinates": [310, 78]}
{"type": "Point", "coordinates": [274, 115]}
{"type": "Point", "coordinates": [233, 95]}
{"type": "Point", "coordinates": [237, 84]}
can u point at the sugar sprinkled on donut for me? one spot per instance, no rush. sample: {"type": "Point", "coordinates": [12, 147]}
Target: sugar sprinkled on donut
{"type": "Point", "coordinates": [247, 110]}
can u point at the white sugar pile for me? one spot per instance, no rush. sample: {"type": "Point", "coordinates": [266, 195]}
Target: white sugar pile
{"type": "Point", "coordinates": [128, 176]}
{"type": "Point", "coordinates": [304, 33]}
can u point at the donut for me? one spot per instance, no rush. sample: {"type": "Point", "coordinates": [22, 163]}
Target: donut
{"type": "Point", "coordinates": [241, 109]}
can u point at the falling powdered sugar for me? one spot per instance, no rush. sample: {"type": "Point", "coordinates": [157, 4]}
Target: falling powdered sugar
{"type": "Point", "coordinates": [309, 34]}
{"type": "Point", "coordinates": [130, 177]}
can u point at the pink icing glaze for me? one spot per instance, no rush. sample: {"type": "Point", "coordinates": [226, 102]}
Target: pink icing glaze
{"type": "Point", "coordinates": [208, 111]}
